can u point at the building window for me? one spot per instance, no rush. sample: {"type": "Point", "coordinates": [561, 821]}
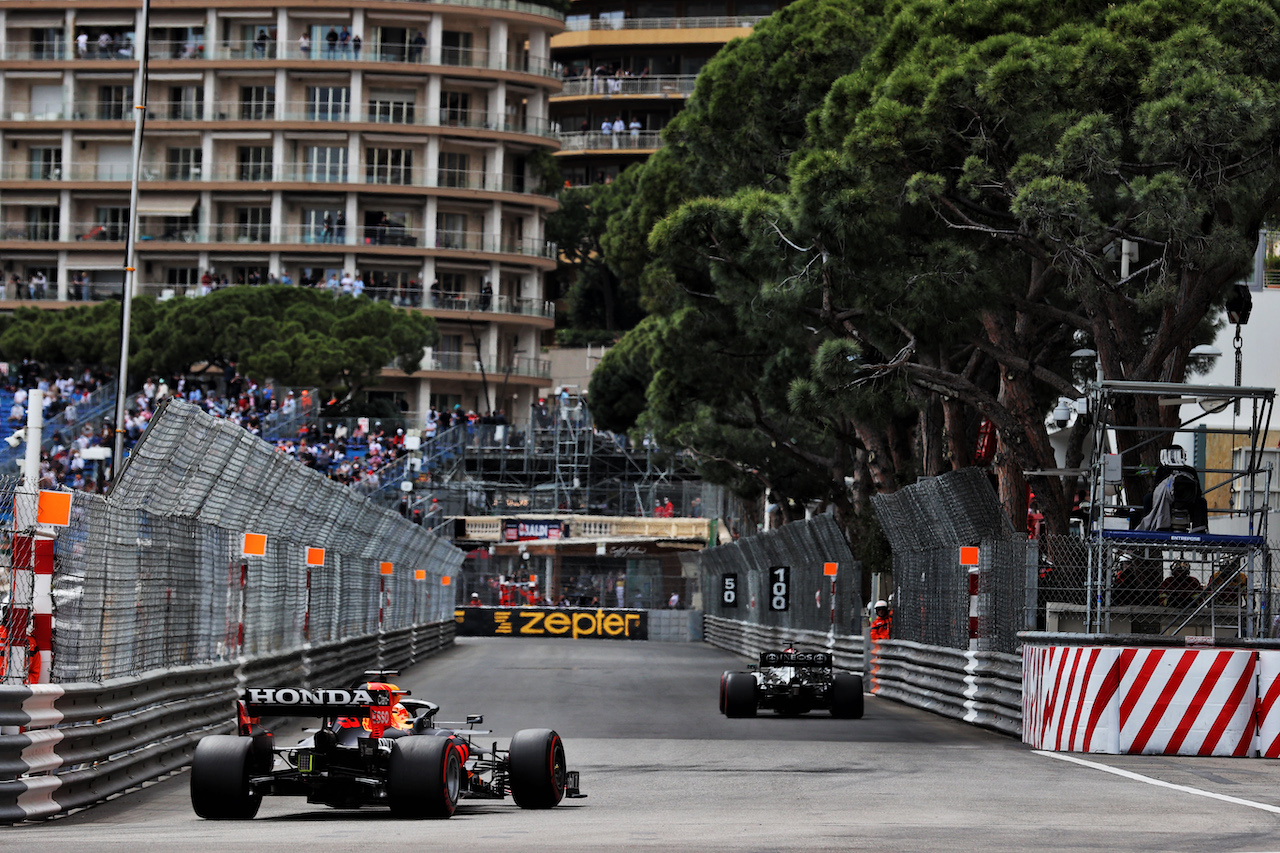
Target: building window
{"type": "Point", "coordinates": [46, 164]}
{"type": "Point", "coordinates": [388, 166]}
{"type": "Point", "coordinates": [48, 43]}
{"type": "Point", "coordinates": [454, 169]}
{"type": "Point", "coordinates": [186, 103]}
{"type": "Point", "coordinates": [254, 162]}
{"type": "Point", "coordinates": [115, 102]}
{"type": "Point", "coordinates": [257, 103]}
{"type": "Point", "coordinates": [454, 108]}
{"type": "Point", "coordinates": [182, 276]}
{"type": "Point", "coordinates": [314, 229]}
{"type": "Point", "coordinates": [253, 224]}
{"type": "Point", "coordinates": [451, 230]}
{"type": "Point", "coordinates": [114, 222]}
{"type": "Point", "coordinates": [326, 164]}
{"type": "Point", "coordinates": [456, 48]}
{"type": "Point", "coordinates": [328, 103]}
{"type": "Point", "coordinates": [183, 164]}
{"type": "Point", "coordinates": [391, 109]}
{"type": "Point", "coordinates": [42, 223]}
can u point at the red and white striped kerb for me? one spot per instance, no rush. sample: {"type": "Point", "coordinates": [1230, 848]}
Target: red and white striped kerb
{"type": "Point", "coordinates": [1161, 701]}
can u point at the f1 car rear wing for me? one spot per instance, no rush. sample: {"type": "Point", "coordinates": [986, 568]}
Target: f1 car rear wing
{"type": "Point", "coordinates": [314, 702]}
{"type": "Point", "coordinates": [796, 659]}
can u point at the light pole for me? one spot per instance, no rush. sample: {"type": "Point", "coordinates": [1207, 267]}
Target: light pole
{"type": "Point", "coordinates": [130, 252]}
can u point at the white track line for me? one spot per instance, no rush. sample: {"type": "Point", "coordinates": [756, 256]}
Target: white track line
{"type": "Point", "coordinates": [1158, 782]}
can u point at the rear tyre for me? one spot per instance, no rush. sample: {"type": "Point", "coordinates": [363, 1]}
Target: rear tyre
{"type": "Point", "coordinates": [536, 767]}
{"type": "Point", "coordinates": [846, 696]}
{"type": "Point", "coordinates": [724, 678]}
{"type": "Point", "coordinates": [220, 779]}
{"type": "Point", "coordinates": [424, 777]}
{"type": "Point", "coordinates": [740, 695]}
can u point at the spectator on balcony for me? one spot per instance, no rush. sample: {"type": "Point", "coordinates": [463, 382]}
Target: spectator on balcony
{"type": "Point", "coordinates": [357, 285]}
{"type": "Point", "coordinates": [635, 131]}
{"type": "Point", "coordinates": [331, 40]}
{"type": "Point", "coordinates": [356, 44]}
{"type": "Point", "coordinates": [606, 130]}
{"type": "Point", "coordinates": [417, 46]}
{"type": "Point", "coordinates": [347, 283]}
{"type": "Point", "coordinates": [82, 45]}
{"type": "Point", "coordinates": [618, 129]}
{"type": "Point", "coordinates": [344, 41]}
{"type": "Point", "coordinates": [285, 278]}
{"type": "Point", "coordinates": [260, 44]}
{"type": "Point", "coordinates": [86, 286]}
{"type": "Point", "coordinates": [486, 296]}
{"type": "Point", "coordinates": [326, 229]}
{"type": "Point", "coordinates": [37, 285]}
{"type": "Point", "coordinates": [304, 46]}
{"type": "Point", "coordinates": [340, 228]}
{"type": "Point", "coordinates": [104, 45]}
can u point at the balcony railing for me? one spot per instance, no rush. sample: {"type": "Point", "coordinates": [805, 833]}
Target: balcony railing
{"type": "Point", "coordinates": [663, 85]}
{"type": "Point", "coordinates": [406, 296]}
{"type": "Point", "coordinates": [155, 172]}
{"type": "Point", "coordinates": [36, 51]}
{"type": "Point", "coordinates": [718, 22]}
{"type": "Point", "coordinates": [465, 363]}
{"type": "Point", "coordinates": [155, 229]}
{"type": "Point", "coordinates": [594, 140]}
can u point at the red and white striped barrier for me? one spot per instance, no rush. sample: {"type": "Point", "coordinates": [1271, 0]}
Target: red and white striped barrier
{"type": "Point", "coordinates": [1269, 704]}
{"type": "Point", "coordinates": [1161, 701]}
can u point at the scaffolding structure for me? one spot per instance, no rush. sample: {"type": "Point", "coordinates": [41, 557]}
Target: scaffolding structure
{"type": "Point", "coordinates": [555, 461]}
{"type": "Point", "coordinates": [1172, 580]}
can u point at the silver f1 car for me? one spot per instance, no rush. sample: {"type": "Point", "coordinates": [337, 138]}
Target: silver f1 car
{"type": "Point", "coordinates": [372, 748]}
{"type": "Point", "coordinates": [791, 682]}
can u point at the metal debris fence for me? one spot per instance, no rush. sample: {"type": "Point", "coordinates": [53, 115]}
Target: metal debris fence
{"type": "Point", "coordinates": [804, 546]}
{"type": "Point", "coordinates": [926, 523]}
{"type": "Point", "coordinates": [155, 576]}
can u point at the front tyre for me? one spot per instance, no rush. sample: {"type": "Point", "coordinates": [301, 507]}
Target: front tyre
{"type": "Point", "coordinates": [537, 771]}
{"type": "Point", "coordinates": [220, 779]}
{"type": "Point", "coordinates": [846, 696]}
{"type": "Point", "coordinates": [424, 777]}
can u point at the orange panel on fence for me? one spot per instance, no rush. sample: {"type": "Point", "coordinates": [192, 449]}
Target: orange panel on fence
{"type": "Point", "coordinates": [420, 574]}
{"type": "Point", "coordinates": [446, 580]}
{"type": "Point", "coordinates": [315, 556]}
{"type": "Point", "coordinates": [829, 569]}
{"type": "Point", "coordinates": [54, 508]}
{"type": "Point", "coordinates": [968, 555]}
{"type": "Point", "coordinates": [255, 545]}
{"type": "Point", "coordinates": [384, 568]}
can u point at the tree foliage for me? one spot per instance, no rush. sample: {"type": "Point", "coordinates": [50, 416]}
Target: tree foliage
{"type": "Point", "coordinates": [928, 253]}
{"type": "Point", "coordinates": [294, 335]}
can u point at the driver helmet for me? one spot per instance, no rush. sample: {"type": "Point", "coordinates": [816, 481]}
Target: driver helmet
{"type": "Point", "coordinates": [882, 605]}
{"type": "Point", "coordinates": [396, 693]}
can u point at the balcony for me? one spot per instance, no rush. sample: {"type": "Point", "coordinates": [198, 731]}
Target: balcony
{"type": "Point", "coordinates": [239, 49]}
{"type": "Point", "coordinates": [717, 22]}
{"type": "Point", "coordinates": [663, 85]}
{"type": "Point", "coordinates": [35, 51]}
{"type": "Point", "coordinates": [594, 140]}
{"type": "Point", "coordinates": [408, 297]}
{"type": "Point", "coordinates": [457, 362]}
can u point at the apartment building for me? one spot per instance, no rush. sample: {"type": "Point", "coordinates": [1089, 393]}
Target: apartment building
{"type": "Point", "coordinates": [628, 68]}
{"type": "Point", "coordinates": [294, 140]}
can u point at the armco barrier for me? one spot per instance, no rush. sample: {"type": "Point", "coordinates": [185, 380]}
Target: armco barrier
{"type": "Point", "coordinates": [77, 744]}
{"type": "Point", "coordinates": [1121, 694]}
{"type": "Point", "coordinates": [983, 688]}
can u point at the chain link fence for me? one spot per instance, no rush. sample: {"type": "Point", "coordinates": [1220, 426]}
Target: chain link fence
{"type": "Point", "coordinates": [741, 581]}
{"type": "Point", "coordinates": [926, 523]}
{"type": "Point", "coordinates": [155, 576]}
{"type": "Point", "coordinates": [1207, 589]}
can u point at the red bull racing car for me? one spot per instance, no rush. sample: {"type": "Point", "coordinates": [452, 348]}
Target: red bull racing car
{"type": "Point", "coordinates": [374, 747]}
{"type": "Point", "coordinates": [791, 682]}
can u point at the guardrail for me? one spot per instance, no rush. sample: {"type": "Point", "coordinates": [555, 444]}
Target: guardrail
{"type": "Point", "coordinates": [72, 745]}
{"type": "Point", "coordinates": [983, 688]}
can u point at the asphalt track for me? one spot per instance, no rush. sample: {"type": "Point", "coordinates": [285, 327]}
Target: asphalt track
{"type": "Point", "coordinates": [665, 771]}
